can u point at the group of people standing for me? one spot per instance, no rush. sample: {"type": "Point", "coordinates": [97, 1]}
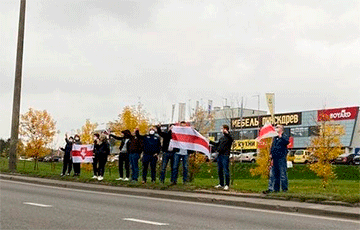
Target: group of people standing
{"type": "Point", "coordinates": [133, 145]}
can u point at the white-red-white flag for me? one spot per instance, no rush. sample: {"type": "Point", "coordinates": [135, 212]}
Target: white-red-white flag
{"type": "Point", "coordinates": [82, 153]}
{"type": "Point", "coordinates": [267, 131]}
{"type": "Point", "coordinates": [190, 139]}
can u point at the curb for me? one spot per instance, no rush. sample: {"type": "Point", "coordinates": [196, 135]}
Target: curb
{"type": "Point", "coordinates": [245, 200]}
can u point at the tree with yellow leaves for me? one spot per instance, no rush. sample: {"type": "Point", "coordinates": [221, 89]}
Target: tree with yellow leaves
{"type": "Point", "coordinates": [131, 118]}
{"type": "Point", "coordinates": [263, 159]}
{"type": "Point", "coordinates": [87, 131]}
{"type": "Point", "coordinates": [326, 147]}
{"type": "Point", "coordinates": [202, 121]}
{"type": "Point", "coordinates": [37, 129]}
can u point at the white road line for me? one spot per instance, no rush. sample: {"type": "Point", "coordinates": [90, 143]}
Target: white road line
{"type": "Point", "coordinates": [190, 202]}
{"type": "Point", "coordinates": [145, 221]}
{"type": "Point", "coordinates": [39, 205]}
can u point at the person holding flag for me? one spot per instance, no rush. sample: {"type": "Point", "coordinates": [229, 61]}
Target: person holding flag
{"type": "Point", "coordinates": [223, 147]}
{"type": "Point", "coordinates": [278, 172]}
{"type": "Point", "coordinates": [184, 141]}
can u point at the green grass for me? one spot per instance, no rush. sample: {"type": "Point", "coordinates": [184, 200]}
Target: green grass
{"type": "Point", "coordinates": [303, 183]}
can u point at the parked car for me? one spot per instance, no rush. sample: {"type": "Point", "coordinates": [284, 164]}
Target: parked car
{"type": "Point", "coordinates": [356, 159]}
{"type": "Point", "coordinates": [345, 158]}
{"type": "Point", "coordinates": [52, 159]}
{"type": "Point", "coordinates": [248, 157]}
{"type": "Point", "coordinates": [291, 156]}
{"type": "Point", "coordinates": [304, 156]}
{"type": "Point", "coordinates": [235, 156]}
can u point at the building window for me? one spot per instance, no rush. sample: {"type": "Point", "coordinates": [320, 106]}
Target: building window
{"type": "Point", "coordinates": [299, 132]}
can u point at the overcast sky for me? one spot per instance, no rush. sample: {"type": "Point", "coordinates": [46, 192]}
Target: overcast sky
{"type": "Point", "coordinates": [87, 59]}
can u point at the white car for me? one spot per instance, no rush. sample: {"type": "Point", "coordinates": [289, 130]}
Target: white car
{"type": "Point", "coordinates": [248, 157]}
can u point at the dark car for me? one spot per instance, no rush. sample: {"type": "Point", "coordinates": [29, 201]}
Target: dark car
{"type": "Point", "coordinates": [346, 158]}
{"type": "Point", "coordinates": [356, 159]}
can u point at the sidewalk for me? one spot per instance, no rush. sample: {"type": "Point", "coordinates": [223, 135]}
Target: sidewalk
{"type": "Point", "coordinates": [257, 201]}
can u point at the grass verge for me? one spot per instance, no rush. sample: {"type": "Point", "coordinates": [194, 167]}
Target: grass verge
{"type": "Point", "coordinates": [345, 190]}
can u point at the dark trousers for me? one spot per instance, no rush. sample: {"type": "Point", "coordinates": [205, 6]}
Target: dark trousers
{"type": "Point", "coordinates": [102, 163]}
{"type": "Point", "coordinates": [124, 159]}
{"type": "Point", "coordinates": [67, 164]}
{"type": "Point", "coordinates": [167, 156]}
{"type": "Point", "coordinates": [134, 163]}
{"type": "Point", "coordinates": [76, 167]}
{"type": "Point", "coordinates": [96, 166]}
{"type": "Point", "coordinates": [149, 159]}
{"type": "Point", "coordinates": [223, 168]}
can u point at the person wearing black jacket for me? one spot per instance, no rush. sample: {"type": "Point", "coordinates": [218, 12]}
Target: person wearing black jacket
{"type": "Point", "coordinates": [96, 156]}
{"type": "Point", "coordinates": [76, 166]}
{"type": "Point", "coordinates": [152, 147]}
{"type": "Point", "coordinates": [223, 147]}
{"type": "Point", "coordinates": [104, 151]}
{"type": "Point", "coordinates": [67, 163]}
{"type": "Point", "coordinates": [135, 149]}
{"type": "Point", "coordinates": [167, 154]}
{"type": "Point", "coordinates": [124, 154]}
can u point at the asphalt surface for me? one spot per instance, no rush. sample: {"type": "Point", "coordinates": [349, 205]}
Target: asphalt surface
{"type": "Point", "coordinates": [34, 206]}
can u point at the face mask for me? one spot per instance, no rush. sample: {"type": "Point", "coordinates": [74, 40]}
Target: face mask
{"type": "Point", "coordinates": [95, 138]}
{"type": "Point", "coordinates": [152, 132]}
{"type": "Point", "coordinates": [77, 139]}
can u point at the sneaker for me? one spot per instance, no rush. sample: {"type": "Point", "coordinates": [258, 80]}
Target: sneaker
{"type": "Point", "coordinates": [143, 182]}
{"type": "Point", "coordinates": [120, 178]}
{"type": "Point", "coordinates": [226, 187]}
{"type": "Point", "coordinates": [267, 191]}
{"type": "Point", "coordinates": [218, 186]}
{"type": "Point", "coordinates": [67, 174]}
{"type": "Point", "coordinates": [62, 174]}
{"type": "Point", "coordinates": [100, 178]}
{"type": "Point", "coordinates": [94, 177]}
{"type": "Point", "coordinates": [126, 179]}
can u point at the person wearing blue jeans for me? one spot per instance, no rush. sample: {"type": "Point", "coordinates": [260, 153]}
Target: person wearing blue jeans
{"type": "Point", "coordinates": [167, 156]}
{"type": "Point", "coordinates": [223, 147]}
{"type": "Point", "coordinates": [278, 173]}
{"type": "Point", "coordinates": [134, 164]}
{"type": "Point", "coordinates": [183, 156]}
{"type": "Point", "coordinates": [223, 170]}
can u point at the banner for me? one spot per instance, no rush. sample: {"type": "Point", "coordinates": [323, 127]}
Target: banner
{"type": "Point", "coordinates": [348, 113]}
{"type": "Point", "coordinates": [245, 144]}
{"type": "Point", "coordinates": [254, 122]}
{"type": "Point", "coordinates": [270, 99]}
{"type": "Point", "coordinates": [82, 153]}
{"type": "Point", "coordinates": [190, 139]}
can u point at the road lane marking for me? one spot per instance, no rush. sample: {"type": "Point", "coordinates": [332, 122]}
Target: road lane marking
{"type": "Point", "coordinates": [190, 202]}
{"type": "Point", "coordinates": [39, 205]}
{"type": "Point", "coordinates": [145, 221]}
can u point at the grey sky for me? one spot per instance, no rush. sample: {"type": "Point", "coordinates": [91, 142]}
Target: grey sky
{"type": "Point", "coordinates": [89, 58]}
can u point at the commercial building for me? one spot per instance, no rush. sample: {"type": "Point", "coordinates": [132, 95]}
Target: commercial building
{"type": "Point", "coordinates": [300, 126]}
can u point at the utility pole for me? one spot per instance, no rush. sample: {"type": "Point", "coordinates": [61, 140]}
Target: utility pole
{"type": "Point", "coordinates": [17, 89]}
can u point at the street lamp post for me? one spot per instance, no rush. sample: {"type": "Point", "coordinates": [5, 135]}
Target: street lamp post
{"type": "Point", "coordinates": [17, 90]}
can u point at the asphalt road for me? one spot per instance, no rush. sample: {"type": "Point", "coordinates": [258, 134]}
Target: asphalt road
{"type": "Point", "coordinates": [32, 206]}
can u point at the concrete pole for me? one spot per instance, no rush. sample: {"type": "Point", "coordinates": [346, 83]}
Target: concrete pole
{"type": "Point", "coordinates": [17, 90]}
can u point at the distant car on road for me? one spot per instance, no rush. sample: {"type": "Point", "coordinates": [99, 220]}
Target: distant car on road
{"type": "Point", "coordinates": [248, 157]}
{"type": "Point", "coordinates": [304, 157]}
{"type": "Point", "coordinates": [346, 158]}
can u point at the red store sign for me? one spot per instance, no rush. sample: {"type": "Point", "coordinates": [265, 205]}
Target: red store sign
{"type": "Point", "coordinates": [348, 113]}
